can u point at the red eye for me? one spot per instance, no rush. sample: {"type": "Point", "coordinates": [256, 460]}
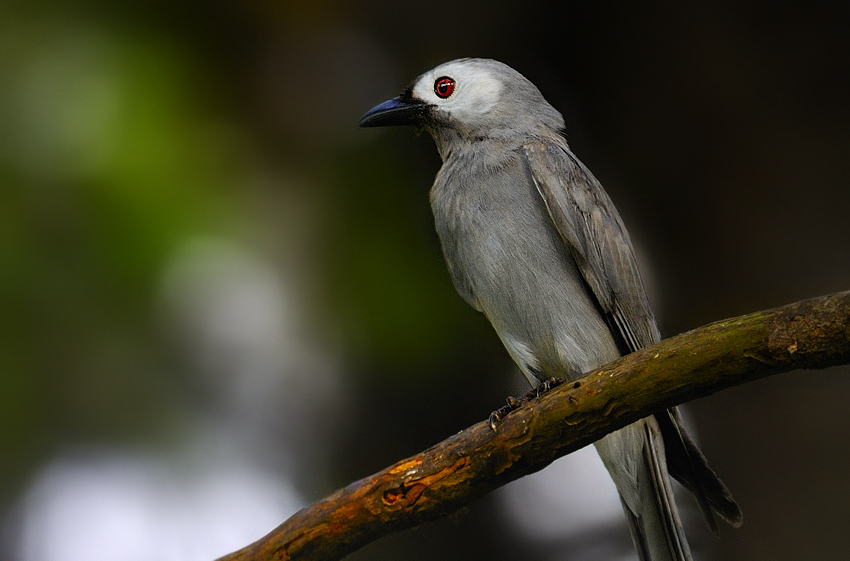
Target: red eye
{"type": "Point", "coordinates": [444, 87]}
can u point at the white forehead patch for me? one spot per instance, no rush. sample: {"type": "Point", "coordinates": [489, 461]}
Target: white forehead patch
{"type": "Point", "coordinates": [475, 93]}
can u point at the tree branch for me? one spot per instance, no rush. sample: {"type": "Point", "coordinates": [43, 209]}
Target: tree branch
{"type": "Point", "coordinates": [810, 334]}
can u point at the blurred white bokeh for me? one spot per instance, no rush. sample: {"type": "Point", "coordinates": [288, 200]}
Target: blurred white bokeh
{"type": "Point", "coordinates": [112, 506]}
{"type": "Point", "coordinates": [572, 501]}
{"type": "Point", "coordinates": [228, 473]}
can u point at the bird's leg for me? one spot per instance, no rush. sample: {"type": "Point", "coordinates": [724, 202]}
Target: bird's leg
{"type": "Point", "coordinates": [513, 403]}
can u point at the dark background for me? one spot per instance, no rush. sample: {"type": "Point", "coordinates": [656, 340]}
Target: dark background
{"type": "Point", "coordinates": [202, 256]}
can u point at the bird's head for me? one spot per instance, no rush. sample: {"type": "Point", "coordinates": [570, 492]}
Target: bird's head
{"type": "Point", "coordinates": [469, 99]}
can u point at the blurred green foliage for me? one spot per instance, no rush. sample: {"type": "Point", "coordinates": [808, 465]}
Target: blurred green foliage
{"type": "Point", "coordinates": [112, 153]}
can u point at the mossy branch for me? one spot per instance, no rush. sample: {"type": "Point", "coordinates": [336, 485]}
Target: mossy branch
{"type": "Point", "coordinates": [810, 334]}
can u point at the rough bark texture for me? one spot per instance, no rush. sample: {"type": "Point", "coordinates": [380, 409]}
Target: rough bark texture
{"type": "Point", "coordinates": [810, 334]}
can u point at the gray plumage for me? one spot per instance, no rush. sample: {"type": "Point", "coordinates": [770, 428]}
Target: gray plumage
{"type": "Point", "coordinates": [533, 241]}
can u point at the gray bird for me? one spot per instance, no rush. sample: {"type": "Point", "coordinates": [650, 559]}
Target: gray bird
{"type": "Point", "coordinates": [533, 241]}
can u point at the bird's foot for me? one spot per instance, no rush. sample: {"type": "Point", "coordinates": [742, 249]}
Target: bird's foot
{"type": "Point", "coordinates": [513, 403]}
{"type": "Point", "coordinates": [543, 388]}
{"type": "Point", "coordinates": [499, 414]}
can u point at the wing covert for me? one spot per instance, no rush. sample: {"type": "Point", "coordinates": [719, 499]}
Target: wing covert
{"type": "Point", "coordinates": [594, 233]}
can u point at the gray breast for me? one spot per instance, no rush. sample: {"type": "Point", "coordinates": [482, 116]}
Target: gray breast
{"type": "Point", "coordinates": [507, 260]}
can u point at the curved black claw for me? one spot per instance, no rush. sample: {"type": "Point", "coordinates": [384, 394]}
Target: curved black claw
{"type": "Point", "coordinates": [499, 414]}
{"type": "Point", "coordinates": [495, 418]}
{"type": "Point", "coordinates": [514, 403]}
{"type": "Point", "coordinates": [544, 387]}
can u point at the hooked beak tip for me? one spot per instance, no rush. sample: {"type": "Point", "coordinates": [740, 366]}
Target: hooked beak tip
{"type": "Point", "coordinates": [393, 112]}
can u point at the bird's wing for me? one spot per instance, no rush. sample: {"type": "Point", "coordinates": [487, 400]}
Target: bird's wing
{"type": "Point", "coordinates": [594, 234]}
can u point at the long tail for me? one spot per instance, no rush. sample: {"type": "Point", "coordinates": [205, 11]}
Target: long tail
{"type": "Point", "coordinates": [635, 458]}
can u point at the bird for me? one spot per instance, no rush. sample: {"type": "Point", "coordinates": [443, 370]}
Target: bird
{"type": "Point", "coordinates": [533, 241]}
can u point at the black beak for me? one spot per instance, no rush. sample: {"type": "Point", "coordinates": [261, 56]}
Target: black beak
{"type": "Point", "coordinates": [399, 110]}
